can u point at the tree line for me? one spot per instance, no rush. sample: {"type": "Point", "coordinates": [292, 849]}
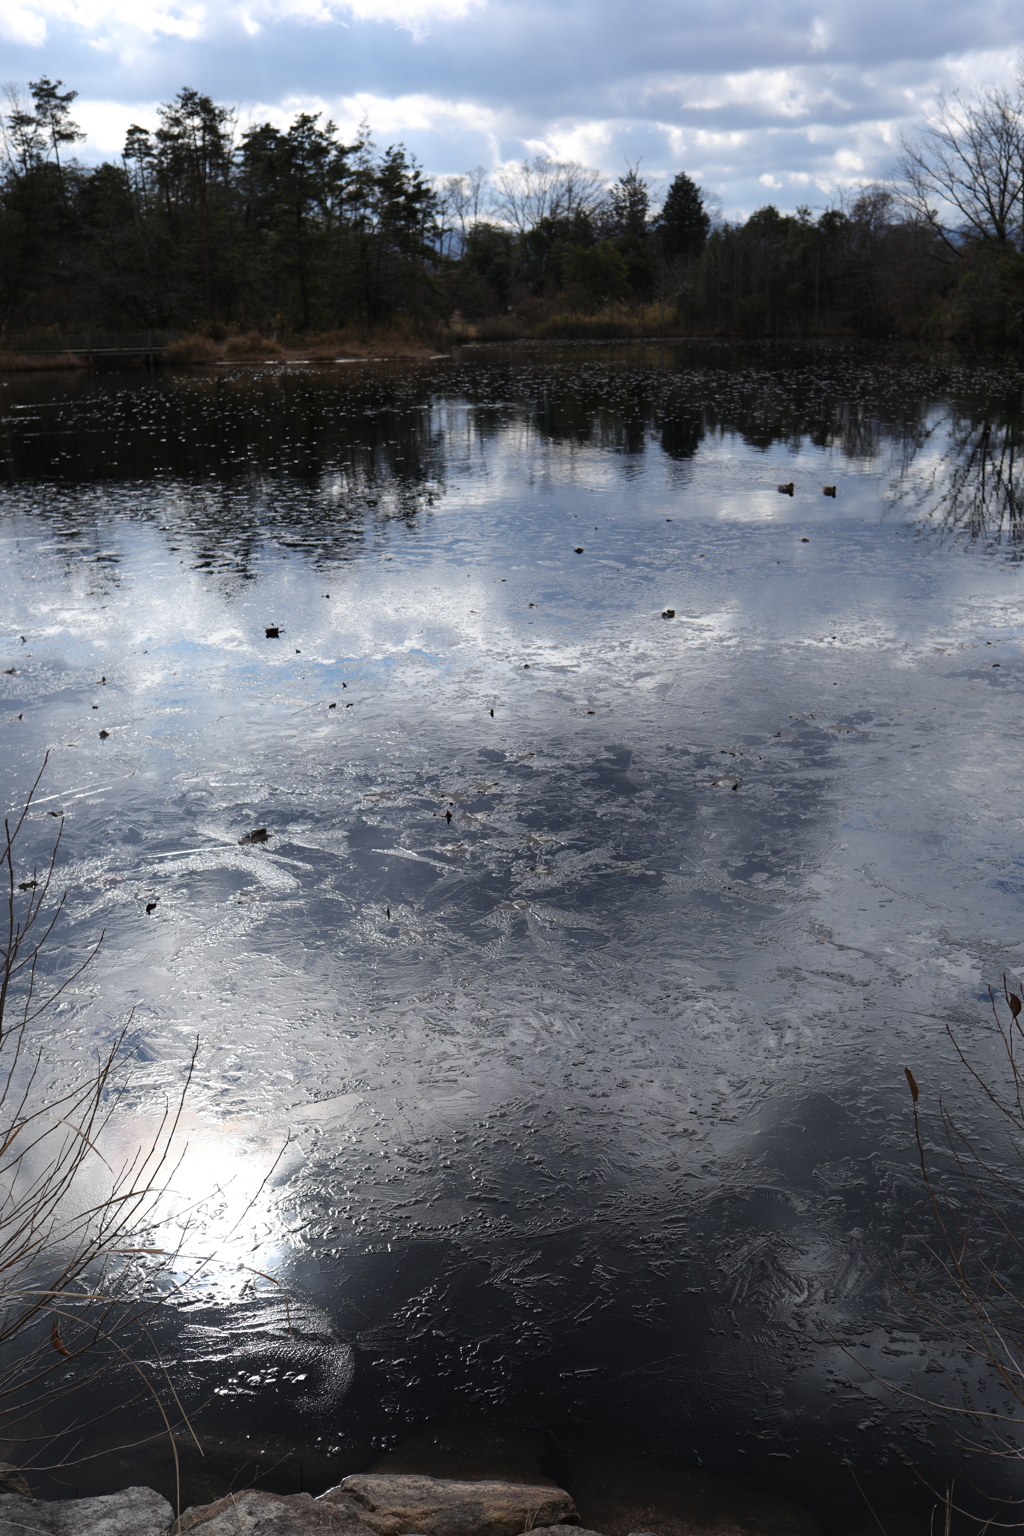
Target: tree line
{"type": "Point", "coordinates": [198, 227]}
{"type": "Point", "coordinates": [202, 227]}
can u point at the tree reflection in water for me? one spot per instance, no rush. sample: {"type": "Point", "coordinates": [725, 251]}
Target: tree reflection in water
{"type": "Point", "coordinates": [973, 486]}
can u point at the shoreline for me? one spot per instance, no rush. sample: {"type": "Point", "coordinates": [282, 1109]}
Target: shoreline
{"type": "Point", "coordinates": [402, 1504]}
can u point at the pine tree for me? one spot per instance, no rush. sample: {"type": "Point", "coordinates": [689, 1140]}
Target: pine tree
{"type": "Point", "coordinates": [683, 222]}
{"type": "Point", "coordinates": [629, 205]}
{"type": "Point", "coordinates": [53, 114]}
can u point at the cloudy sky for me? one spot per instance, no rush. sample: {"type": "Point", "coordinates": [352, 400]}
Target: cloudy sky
{"type": "Point", "coordinates": [781, 101]}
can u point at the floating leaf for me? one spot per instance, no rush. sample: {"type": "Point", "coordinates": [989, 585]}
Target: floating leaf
{"type": "Point", "coordinates": [1014, 1004]}
{"type": "Point", "coordinates": [58, 1342]}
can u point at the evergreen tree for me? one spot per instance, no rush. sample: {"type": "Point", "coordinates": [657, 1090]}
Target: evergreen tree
{"type": "Point", "coordinates": [683, 222]}
{"type": "Point", "coordinates": [629, 204]}
{"type": "Point", "coordinates": [53, 114]}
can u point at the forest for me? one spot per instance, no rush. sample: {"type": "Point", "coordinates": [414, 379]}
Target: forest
{"type": "Point", "coordinates": [204, 229]}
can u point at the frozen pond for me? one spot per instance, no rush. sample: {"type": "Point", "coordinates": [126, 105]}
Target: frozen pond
{"type": "Point", "coordinates": [588, 945]}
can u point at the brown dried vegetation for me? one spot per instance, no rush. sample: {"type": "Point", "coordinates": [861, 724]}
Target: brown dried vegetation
{"type": "Point", "coordinates": [78, 1265]}
{"type": "Point", "coordinates": [970, 1293]}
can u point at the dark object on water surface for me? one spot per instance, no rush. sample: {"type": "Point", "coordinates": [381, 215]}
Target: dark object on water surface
{"type": "Point", "coordinates": [257, 835]}
{"type": "Point", "coordinates": [805, 540]}
{"type": "Point", "coordinates": [578, 551]}
{"type": "Point", "coordinates": [828, 490]}
{"type": "Point", "coordinates": [332, 706]}
{"type": "Point", "coordinates": [448, 816]}
{"type": "Point", "coordinates": [787, 490]}
{"type": "Point", "coordinates": [668, 613]}
{"type": "Point", "coordinates": [151, 906]}
{"type": "Point", "coordinates": [104, 735]}
{"type": "Point", "coordinates": [273, 632]}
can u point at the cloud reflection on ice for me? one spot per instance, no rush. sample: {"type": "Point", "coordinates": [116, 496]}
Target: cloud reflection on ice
{"type": "Point", "coordinates": [594, 1089]}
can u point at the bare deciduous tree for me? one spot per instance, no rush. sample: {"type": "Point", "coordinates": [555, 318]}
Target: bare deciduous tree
{"type": "Point", "coordinates": [964, 173]}
{"type": "Point", "coordinates": [544, 189]}
{"type": "Point", "coordinates": [460, 201]}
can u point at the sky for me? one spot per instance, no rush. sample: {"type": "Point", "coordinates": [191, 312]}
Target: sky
{"type": "Point", "coordinates": [784, 101]}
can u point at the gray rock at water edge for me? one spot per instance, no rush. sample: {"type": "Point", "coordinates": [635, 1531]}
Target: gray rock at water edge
{"type": "Point", "coordinates": [18, 1515]}
{"type": "Point", "coordinates": [132, 1512]}
{"type": "Point", "coordinates": [255, 1512]}
{"type": "Point", "coordinates": [581, 1530]}
{"type": "Point", "coordinates": [392, 1504]}
{"type": "Point", "coordinates": [13, 1481]}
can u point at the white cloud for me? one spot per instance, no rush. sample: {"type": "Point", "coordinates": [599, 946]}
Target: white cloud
{"type": "Point", "coordinates": [415, 15]}
{"type": "Point", "coordinates": [389, 117]}
{"type": "Point", "coordinates": [103, 20]}
{"type": "Point", "coordinates": [820, 35]}
{"type": "Point", "coordinates": [846, 161]}
{"type": "Point", "coordinates": [587, 143]}
{"type": "Point", "coordinates": [812, 94]}
{"type": "Point", "coordinates": [105, 123]}
{"type": "Point", "coordinates": [120, 25]}
{"type": "Point", "coordinates": [784, 92]}
{"type": "Point", "coordinates": [20, 24]}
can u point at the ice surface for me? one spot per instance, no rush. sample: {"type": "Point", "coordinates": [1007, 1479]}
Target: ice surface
{"type": "Point", "coordinates": [593, 1092]}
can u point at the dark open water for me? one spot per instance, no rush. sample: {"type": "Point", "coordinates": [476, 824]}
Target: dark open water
{"type": "Point", "coordinates": [598, 1141]}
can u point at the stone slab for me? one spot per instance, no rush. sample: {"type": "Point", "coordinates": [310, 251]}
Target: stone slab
{"type": "Point", "coordinates": [395, 1505]}
{"type": "Point", "coordinates": [131, 1512]}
